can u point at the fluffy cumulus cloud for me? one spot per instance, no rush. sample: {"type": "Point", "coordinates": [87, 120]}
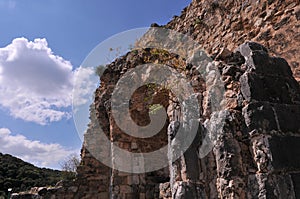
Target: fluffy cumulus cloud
{"type": "Point", "coordinates": [35, 152]}
{"type": "Point", "coordinates": [35, 84]}
{"type": "Point", "coordinates": [84, 85]}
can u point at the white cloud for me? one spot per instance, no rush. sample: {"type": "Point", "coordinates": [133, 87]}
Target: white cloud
{"type": "Point", "coordinates": [35, 152]}
{"type": "Point", "coordinates": [35, 84]}
{"type": "Point", "coordinates": [85, 85]}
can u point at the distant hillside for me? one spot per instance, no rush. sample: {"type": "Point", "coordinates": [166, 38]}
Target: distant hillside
{"type": "Point", "coordinates": [21, 176]}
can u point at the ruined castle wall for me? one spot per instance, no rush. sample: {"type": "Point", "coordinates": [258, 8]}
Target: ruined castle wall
{"type": "Point", "coordinates": [218, 24]}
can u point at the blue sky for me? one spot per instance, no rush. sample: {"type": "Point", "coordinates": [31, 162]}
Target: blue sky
{"type": "Point", "coordinates": [42, 43]}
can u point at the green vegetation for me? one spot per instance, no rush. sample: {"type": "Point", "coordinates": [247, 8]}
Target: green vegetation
{"type": "Point", "coordinates": [197, 21]}
{"type": "Point", "coordinates": [21, 176]}
{"type": "Point", "coordinates": [154, 108]}
{"type": "Point", "coordinates": [69, 167]}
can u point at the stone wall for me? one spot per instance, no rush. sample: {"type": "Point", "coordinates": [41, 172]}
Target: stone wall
{"type": "Point", "coordinates": [218, 24]}
{"type": "Point", "coordinates": [255, 154]}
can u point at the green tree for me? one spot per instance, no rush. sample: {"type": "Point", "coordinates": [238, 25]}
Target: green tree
{"type": "Point", "coordinates": [69, 167]}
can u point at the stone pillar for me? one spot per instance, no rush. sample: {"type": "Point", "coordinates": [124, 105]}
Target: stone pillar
{"type": "Point", "coordinates": [272, 115]}
{"type": "Point", "coordinates": [184, 172]}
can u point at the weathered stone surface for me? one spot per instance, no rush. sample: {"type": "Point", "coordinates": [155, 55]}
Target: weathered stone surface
{"type": "Point", "coordinates": [255, 153]}
{"type": "Point", "coordinates": [259, 108]}
{"type": "Point", "coordinates": [285, 152]}
{"type": "Point", "coordinates": [267, 117]}
{"type": "Point", "coordinates": [260, 116]}
{"type": "Point", "coordinates": [217, 25]}
{"type": "Point", "coordinates": [274, 89]}
{"type": "Point", "coordinates": [296, 183]}
{"type": "Point", "coordinates": [258, 60]}
{"type": "Point", "coordinates": [270, 186]}
{"type": "Point", "coordinates": [185, 190]}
